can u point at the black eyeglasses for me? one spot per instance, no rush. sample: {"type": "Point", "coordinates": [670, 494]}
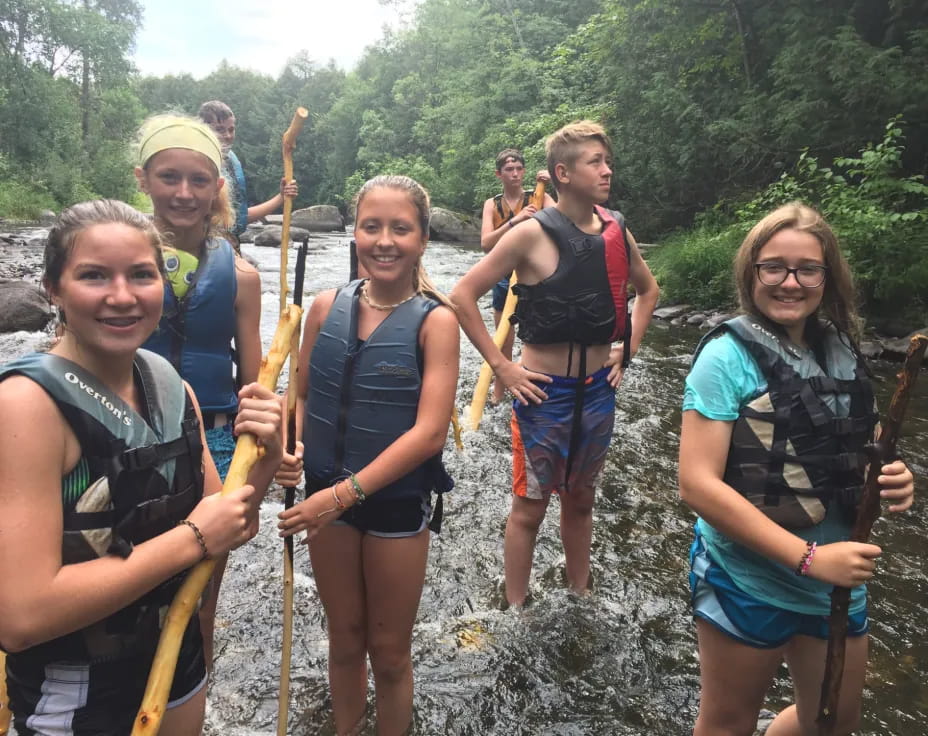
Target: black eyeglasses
{"type": "Point", "coordinates": [774, 274]}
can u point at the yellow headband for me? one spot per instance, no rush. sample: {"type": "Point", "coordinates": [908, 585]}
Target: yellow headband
{"type": "Point", "coordinates": [178, 132]}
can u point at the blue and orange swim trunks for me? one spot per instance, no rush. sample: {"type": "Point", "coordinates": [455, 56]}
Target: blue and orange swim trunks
{"type": "Point", "coordinates": [541, 437]}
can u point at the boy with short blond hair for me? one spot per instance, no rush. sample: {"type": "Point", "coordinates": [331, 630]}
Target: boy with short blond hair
{"type": "Point", "coordinates": [574, 262]}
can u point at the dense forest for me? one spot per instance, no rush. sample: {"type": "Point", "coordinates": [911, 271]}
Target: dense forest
{"type": "Point", "coordinates": [719, 109]}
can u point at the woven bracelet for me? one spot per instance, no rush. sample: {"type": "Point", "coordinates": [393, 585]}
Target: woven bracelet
{"type": "Point", "coordinates": [200, 540]}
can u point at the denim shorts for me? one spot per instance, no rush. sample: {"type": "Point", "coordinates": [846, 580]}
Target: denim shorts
{"type": "Point", "coordinates": [500, 291]}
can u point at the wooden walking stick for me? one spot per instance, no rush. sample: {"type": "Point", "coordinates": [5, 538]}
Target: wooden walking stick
{"type": "Point", "coordinates": [154, 701]}
{"type": "Point", "coordinates": [5, 713]}
{"type": "Point", "coordinates": [283, 697]}
{"type": "Point", "coordinates": [479, 401]}
{"type": "Point", "coordinates": [288, 144]}
{"type": "Point", "coordinates": [884, 451]}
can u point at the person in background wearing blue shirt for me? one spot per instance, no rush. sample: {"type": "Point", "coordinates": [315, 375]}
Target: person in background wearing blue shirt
{"type": "Point", "coordinates": [219, 116]}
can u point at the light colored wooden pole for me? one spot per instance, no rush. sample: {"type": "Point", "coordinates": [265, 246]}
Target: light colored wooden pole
{"type": "Point", "coordinates": [5, 714]}
{"type": "Point", "coordinates": [154, 701]}
{"type": "Point", "coordinates": [288, 144]}
{"type": "Point", "coordinates": [479, 402]}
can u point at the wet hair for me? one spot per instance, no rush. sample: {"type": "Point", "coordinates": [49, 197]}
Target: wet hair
{"type": "Point", "coordinates": [214, 111]}
{"type": "Point", "coordinates": [221, 216]}
{"type": "Point", "coordinates": [563, 146]}
{"type": "Point", "coordinates": [504, 156]}
{"type": "Point", "coordinates": [420, 200]}
{"type": "Point", "coordinates": [79, 217]}
{"type": "Point", "coordinates": [839, 299]}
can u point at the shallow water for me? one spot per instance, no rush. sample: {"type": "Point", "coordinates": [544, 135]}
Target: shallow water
{"type": "Point", "coordinates": [622, 661]}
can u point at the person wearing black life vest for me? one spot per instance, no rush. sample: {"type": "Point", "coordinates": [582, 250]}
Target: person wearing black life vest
{"type": "Point", "coordinates": [373, 414]}
{"type": "Point", "coordinates": [574, 262]}
{"type": "Point", "coordinates": [103, 471]}
{"type": "Point", "coordinates": [777, 412]}
{"type": "Point", "coordinates": [501, 213]}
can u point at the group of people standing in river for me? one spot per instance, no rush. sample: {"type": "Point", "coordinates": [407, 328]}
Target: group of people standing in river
{"type": "Point", "coordinates": [115, 440]}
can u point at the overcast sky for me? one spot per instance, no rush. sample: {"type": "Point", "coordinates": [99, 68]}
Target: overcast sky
{"type": "Point", "coordinates": [194, 36]}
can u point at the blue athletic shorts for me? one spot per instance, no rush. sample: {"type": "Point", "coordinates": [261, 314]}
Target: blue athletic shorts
{"type": "Point", "coordinates": [499, 294]}
{"type": "Point", "coordinates": [541, 436]}
{"type": "Point", "coordinates": [719, 601]}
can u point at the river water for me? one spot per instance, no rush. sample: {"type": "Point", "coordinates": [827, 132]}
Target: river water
{"type": "Point", "coordinates": [621, 661]}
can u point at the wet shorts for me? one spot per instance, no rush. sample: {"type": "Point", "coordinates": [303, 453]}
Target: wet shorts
{"type": "Point", "coordinates": [88, 699]}
{"type": "Point", "coordinates": [404, 517]}
{"type": "Point", "coordinates": [719, 601]}
{"type": "Point", "coordinates": [500, 292]}
{"type": "Point", "coordinates": [541, 436]}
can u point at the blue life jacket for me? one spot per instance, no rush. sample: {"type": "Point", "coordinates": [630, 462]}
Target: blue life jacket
{"type": "Point", "coordinates": [362, 398]}
{"type": "Point", "coordinates": [196, 333]}
{"type": "Point", "coordinates": [801, 445]}
{"type": "Point", "coordinates": [239, 192]}
{"type": "Point", "coordinates": [143, 475]}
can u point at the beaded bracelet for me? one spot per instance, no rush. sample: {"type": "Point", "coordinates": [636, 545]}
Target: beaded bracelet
{"type": "Point", "coordinates": [805, 561]}
{"type": "Point", "coordinates": [200, 540]}
{"type": "Point", "coordinates": [358, 493]}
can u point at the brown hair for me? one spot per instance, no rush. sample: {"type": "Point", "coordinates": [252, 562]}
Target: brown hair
{"type": "Point", "coordinates": [508, 153]}
{"type": "Point", "coordinates": [838, 301]}
{"type": "Point", "coordinates": [562, 146]}
{"type": "Point", "coordinates": [215, 111]}
{"type": "Point", "coordinates": [79, 217]}
{"type": "Point", "coordinates": [420, 200]}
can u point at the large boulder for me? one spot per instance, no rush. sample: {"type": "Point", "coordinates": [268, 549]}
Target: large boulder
{"type": "Point", "coordinates": [23, 307]}
{"type": "Point", "coordinates": [453, 227]}
{"type": "Point", "coordinates": [269, 237]}
{"type": "Point", "coordinates": [320, 218]}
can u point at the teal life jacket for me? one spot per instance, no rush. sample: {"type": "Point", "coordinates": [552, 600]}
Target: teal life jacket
{"type": "Point", "coordinates": [142, 477]}
{"type": "Point", "coordinates": [239, 193]}
{"type": "Point", "coordinates": [362, 397]}
{"type": "Point", "coordinates": [195, 333]}
{"type": "Point", "coordinates": [802, 444]}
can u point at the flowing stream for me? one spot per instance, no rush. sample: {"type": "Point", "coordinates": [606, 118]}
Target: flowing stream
{"type": "Point", "coordinates": [621, 661]}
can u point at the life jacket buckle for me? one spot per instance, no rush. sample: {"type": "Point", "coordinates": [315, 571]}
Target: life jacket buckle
{"type": "Point", "coordinates": [844, 425]}
{"type": "Point", "coordinates": [140, 458]}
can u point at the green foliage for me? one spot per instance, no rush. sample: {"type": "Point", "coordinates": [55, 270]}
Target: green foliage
{"type": "Point", "coordinates": [694, 267]}
{"type": "Point", "coordinates": [879, 214]}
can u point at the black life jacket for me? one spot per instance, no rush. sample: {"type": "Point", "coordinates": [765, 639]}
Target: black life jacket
{"type": "Point", "coordinates": [362, 398]}
{"type": "Point", "coordinates": [802, 444]}
{"type": "Point", "coordinates": [585, 300]}
{"type": "Point", "coordinates": [145, 476]}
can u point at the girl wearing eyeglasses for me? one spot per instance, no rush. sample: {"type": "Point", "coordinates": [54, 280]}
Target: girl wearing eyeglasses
{"type": "Point", "coordinates": [777, 410]}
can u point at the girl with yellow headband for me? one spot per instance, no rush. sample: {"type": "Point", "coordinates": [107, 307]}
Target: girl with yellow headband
{"type": "Point", "coordinates": [212, 296]}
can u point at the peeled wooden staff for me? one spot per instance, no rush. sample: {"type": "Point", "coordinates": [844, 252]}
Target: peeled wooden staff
{"type": "Point", "coordinates": [884, 451]}
{"type": "Point", "coordinates": [288, 144]}
{"type": "Point", "coordinates": [148, 719]}
{"type": "Point", "coordinates": [5, 713]}
{"type": "Point", "coordinates": [283, 696]}
{"type": "Point", "coordinates": [479, 401]}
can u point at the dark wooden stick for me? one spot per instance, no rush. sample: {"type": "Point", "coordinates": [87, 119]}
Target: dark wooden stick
{"type": "Point", "coordinates": [868, 512]}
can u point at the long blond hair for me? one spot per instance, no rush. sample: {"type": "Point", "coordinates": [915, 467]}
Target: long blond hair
{"type": "Point", "coordinates": [421, 281]}
{"type": "Point", "coordinates": [221, 216]}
